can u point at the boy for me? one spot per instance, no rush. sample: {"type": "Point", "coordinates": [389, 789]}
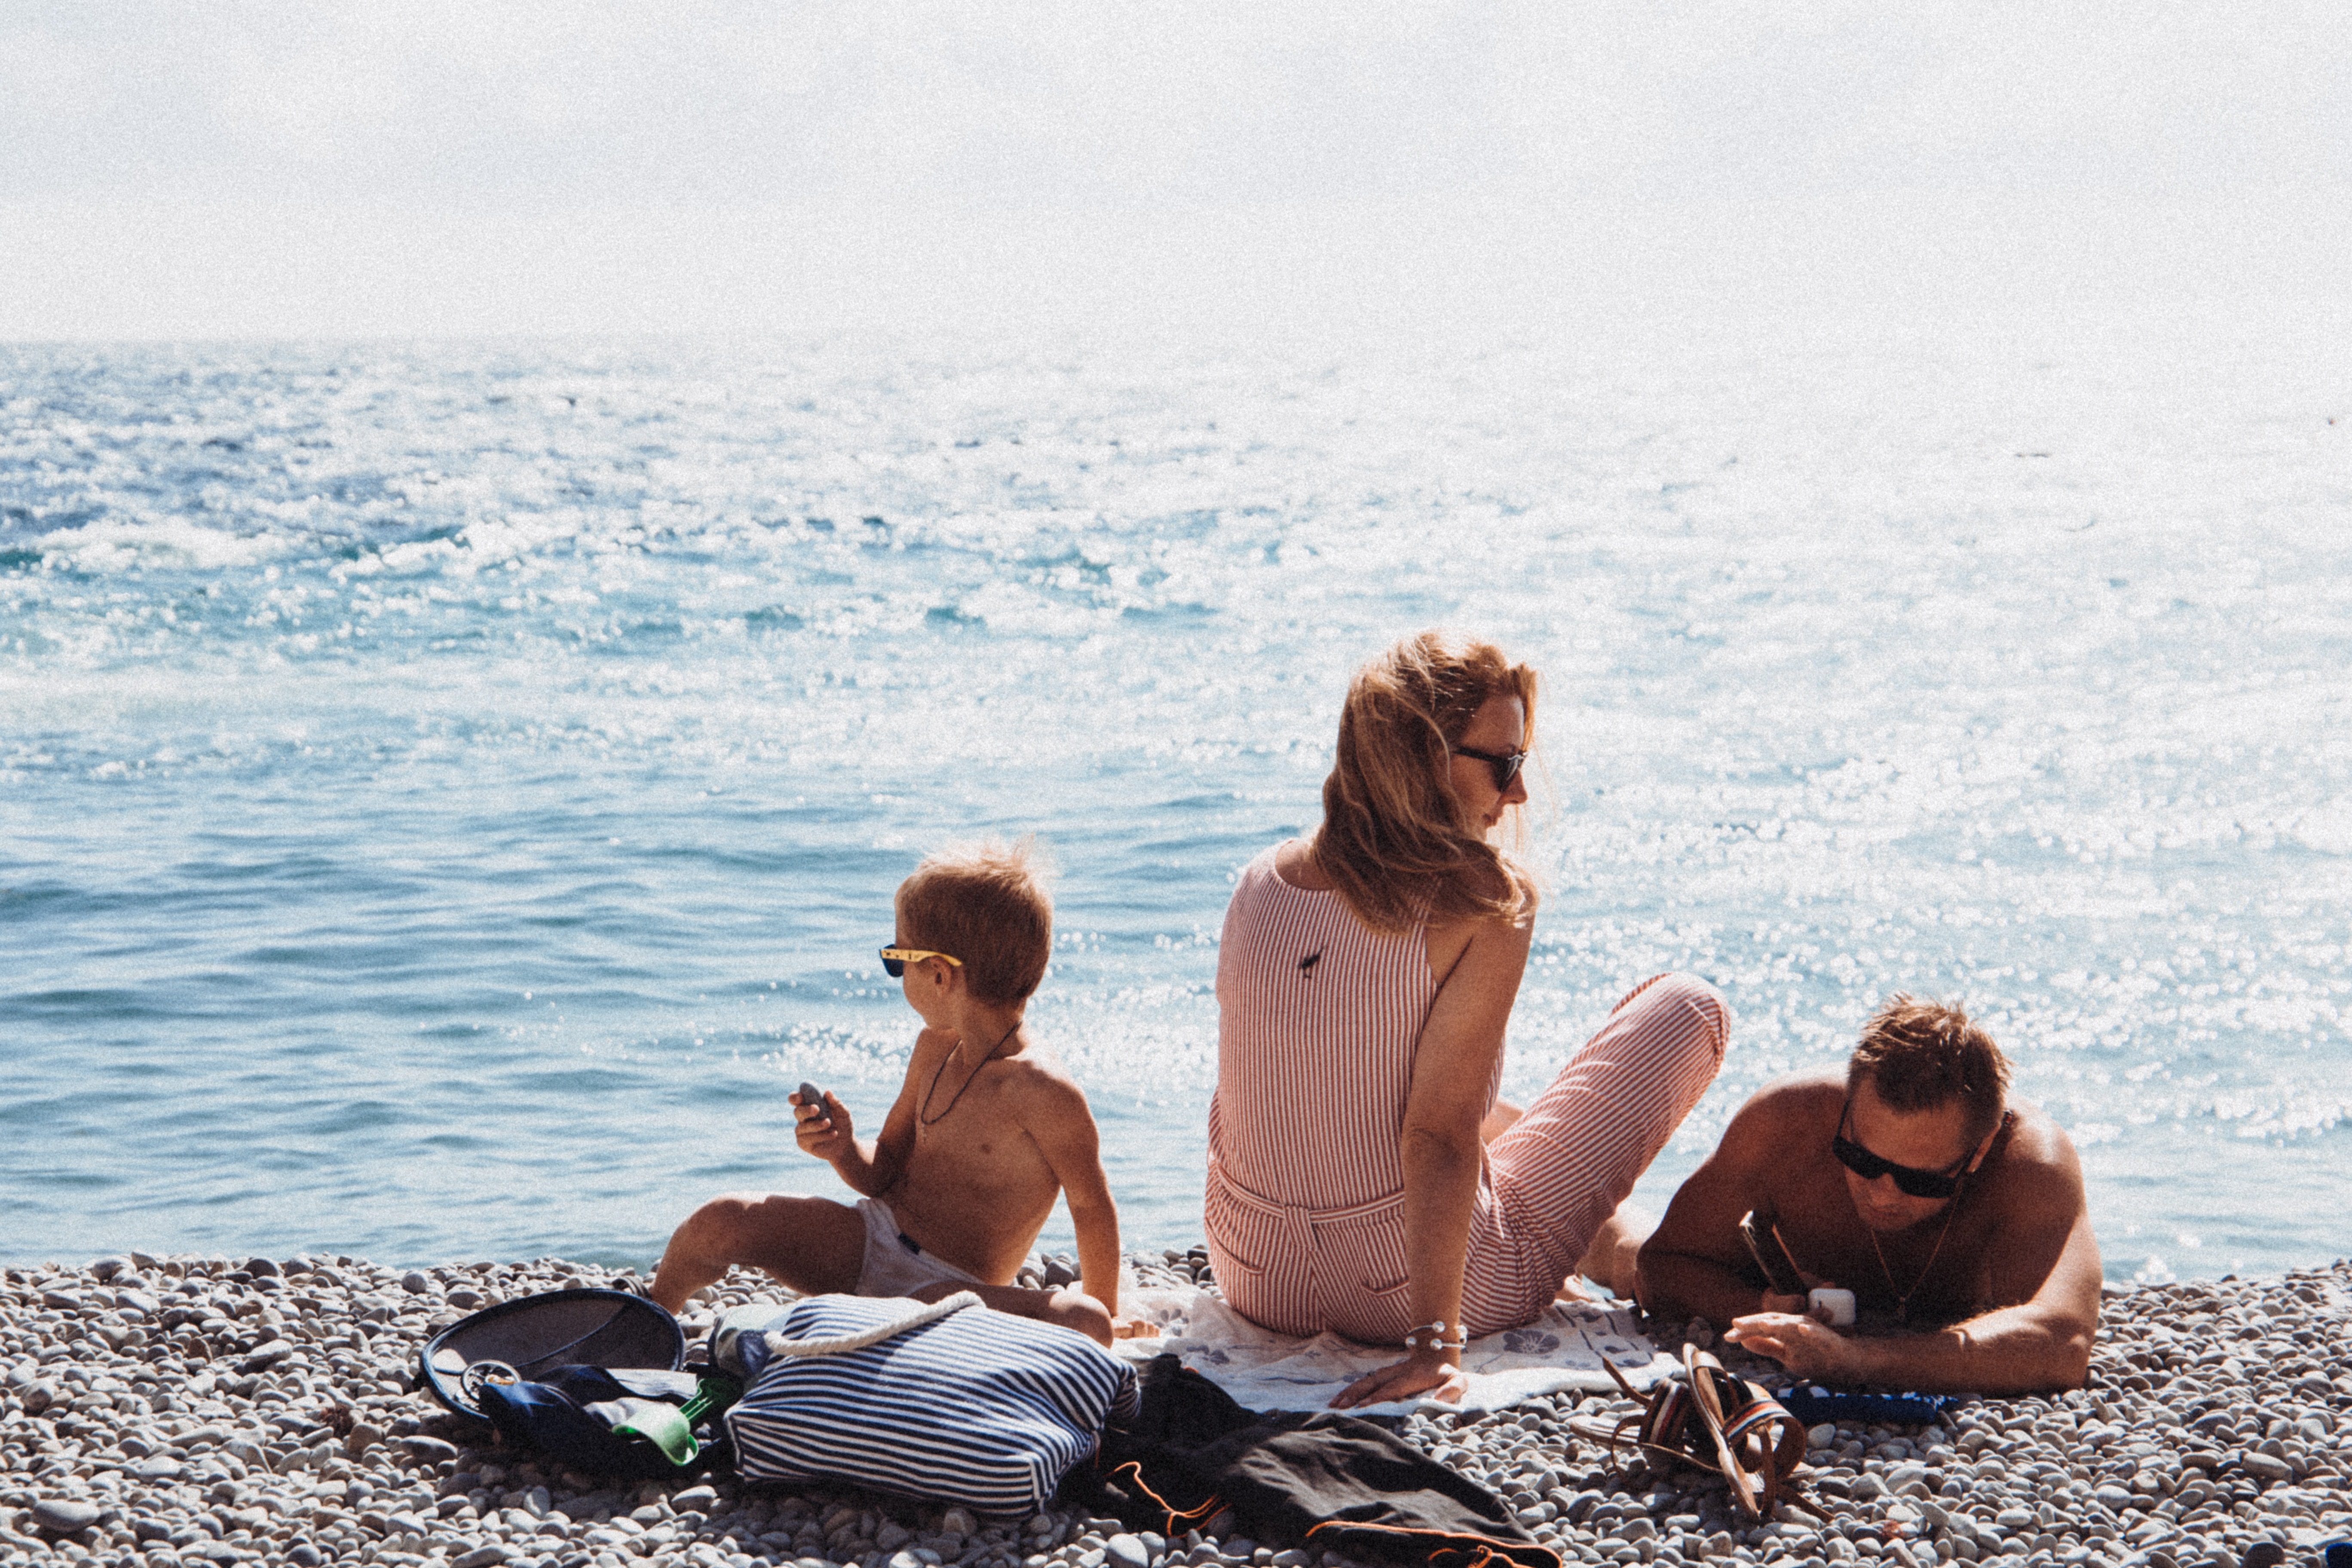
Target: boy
{"type": "Point", "coordinates": [987, 1130]}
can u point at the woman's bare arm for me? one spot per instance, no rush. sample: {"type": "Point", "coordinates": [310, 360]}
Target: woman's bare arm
{"type": "Point", "coordinates": [1452, 1067]}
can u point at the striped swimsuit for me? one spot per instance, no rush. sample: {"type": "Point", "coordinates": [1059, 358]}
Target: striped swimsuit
{"type": "Point", "coordinates": [1305, 1208]}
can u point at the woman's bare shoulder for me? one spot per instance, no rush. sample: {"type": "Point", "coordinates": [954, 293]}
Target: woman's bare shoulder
{"type": "Point", "coordinates": [1294, 862]}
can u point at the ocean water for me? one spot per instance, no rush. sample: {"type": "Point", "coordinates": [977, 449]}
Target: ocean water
{"type": "Point", "coordinates": [450, 793]}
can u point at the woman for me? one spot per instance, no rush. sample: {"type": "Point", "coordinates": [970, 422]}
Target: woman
{"type": "Point", "coordinates": [1363, 984]}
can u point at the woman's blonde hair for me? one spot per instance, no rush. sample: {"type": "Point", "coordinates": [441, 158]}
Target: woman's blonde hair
{"type": "Point", "coordinates": [1393, 838]}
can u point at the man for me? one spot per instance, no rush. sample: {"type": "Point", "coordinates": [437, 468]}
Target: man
{"type": "Point", "coordinates": [1955, 1219]}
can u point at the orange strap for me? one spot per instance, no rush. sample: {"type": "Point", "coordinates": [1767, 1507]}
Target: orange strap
{"type": "Point", "coordinates": [1188, 1516]}
{"type": "Point", "coordinates": [1447, 1543]}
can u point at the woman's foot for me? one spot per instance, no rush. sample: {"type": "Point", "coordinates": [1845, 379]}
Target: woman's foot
{"type": "Point", "coordinates": [1614, 1258]}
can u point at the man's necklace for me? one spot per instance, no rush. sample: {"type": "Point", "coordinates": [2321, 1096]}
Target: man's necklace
{"type": "Point", "coordinates": [1903, 1299]}
{"type": "Point", "coordinates": [929, 1120]}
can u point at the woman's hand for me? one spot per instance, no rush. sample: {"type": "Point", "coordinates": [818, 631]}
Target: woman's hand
{"type": "Point", "coordinates": [1432, 1372]}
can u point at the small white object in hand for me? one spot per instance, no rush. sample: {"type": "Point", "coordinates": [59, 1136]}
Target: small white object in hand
{"type": "Point", "coordinates": [1833, 1307]}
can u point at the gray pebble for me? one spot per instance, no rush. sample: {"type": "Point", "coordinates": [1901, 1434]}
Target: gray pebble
{"type": "Point", "coordinates": [64, 1515]}
{"type": "Point", "coordinates": [259, 1447]}
{"type": "Point", "coordinates": [266, 1356]}
{"type": "Point", "coordinates": [2263, 1554]}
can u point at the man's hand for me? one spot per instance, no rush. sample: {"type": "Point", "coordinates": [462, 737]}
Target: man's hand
{"type": "Point", "coordinates": [823, 1130]}
{"type": "Point", "coordinates": [1804, 1345]}
{"type": "Point", "coordinates": [1774, 1302]}
{"type": "Point", "coordinates": [1432, 1371]}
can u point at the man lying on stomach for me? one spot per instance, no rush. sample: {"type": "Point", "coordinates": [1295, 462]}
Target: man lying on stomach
{"type": "Point", "coordinates": [1955, 1216]}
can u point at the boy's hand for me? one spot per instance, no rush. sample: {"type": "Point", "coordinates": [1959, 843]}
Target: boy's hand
{"type": "Point", "coordinates": [823, 1129]}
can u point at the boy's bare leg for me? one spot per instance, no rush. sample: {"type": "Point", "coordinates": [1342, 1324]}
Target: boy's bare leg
{"type": "Point", "coordinates": [812, 1245]}
{"type": "Point", "coordinates": [1070, 1308]}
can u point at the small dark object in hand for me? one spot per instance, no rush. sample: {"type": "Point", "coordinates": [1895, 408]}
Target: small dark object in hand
{"type": "Point", "coordinates": [1763, 1239]}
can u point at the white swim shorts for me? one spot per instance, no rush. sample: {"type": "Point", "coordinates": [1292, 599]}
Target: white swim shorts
{"type": "Point", "coordinates": [894, 1265]}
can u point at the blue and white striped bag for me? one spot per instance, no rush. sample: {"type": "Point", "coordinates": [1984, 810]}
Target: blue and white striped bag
{"type": "Point", "coordinates": [951, 1402]}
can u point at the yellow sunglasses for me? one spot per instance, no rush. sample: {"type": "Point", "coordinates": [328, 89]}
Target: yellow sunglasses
{"type": "Point", "coordinates": [896, 959]}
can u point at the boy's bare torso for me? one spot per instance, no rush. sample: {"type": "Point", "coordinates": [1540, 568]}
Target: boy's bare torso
{"type": "Point", "coordinates": [976, 1189]}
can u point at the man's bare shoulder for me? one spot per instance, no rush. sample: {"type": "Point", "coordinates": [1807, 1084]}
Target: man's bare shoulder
{"type": "Point", "coordinates": [1793, 1103]}
{"type": "Point", "coordinates": [2038, 1152]}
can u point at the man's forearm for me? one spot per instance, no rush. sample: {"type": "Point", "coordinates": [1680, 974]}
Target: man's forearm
{"type": "Point", "coordinates": [1678, 1284]}
{"type": "Point", "coordinates": [2017, 1350]}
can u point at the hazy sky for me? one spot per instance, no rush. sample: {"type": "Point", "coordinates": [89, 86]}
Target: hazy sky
{"type": "Point", "coordinates": [276, 166]}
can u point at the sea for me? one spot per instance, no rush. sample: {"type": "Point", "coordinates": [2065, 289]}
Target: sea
{"type": "Point", "coordinates": [451, 792]}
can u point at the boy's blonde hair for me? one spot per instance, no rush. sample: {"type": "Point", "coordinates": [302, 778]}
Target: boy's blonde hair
{"type": "Point", "coordinates": [985, 903]}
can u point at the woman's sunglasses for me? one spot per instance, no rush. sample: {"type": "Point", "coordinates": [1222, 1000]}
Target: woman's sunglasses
{"type": "Point", "coordinates": [1908, 1179]}
{"type": "Point", "coordinates": [896, 959]}
{"type": "Point", "coordinates": [1506, 764]}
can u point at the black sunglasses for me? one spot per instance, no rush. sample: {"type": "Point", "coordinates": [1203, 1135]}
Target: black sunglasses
{"type": "Point", "coordinates": [1506, 764]}
{"type": "Point", "coordinates": [1918, 1184]}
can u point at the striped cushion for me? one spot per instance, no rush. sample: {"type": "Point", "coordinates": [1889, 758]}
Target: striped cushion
{"type": "Point", "coordinates": [979, 1408]}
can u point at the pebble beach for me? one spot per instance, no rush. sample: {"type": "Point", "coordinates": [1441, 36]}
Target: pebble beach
{"type": "Point", "coordinates": [170, 1411]}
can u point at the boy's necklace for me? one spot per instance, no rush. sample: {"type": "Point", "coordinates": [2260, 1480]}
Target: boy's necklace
{"type": "Point", "coordinates": [921, 1112]}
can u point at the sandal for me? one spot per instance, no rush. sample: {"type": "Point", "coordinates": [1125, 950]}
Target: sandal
{"type": "Point", "coordinates": [1713, 1422]}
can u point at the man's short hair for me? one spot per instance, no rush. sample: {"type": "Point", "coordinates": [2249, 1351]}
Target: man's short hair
{"type": "Point", "coordinates": [1923, 1056]}
{"type": "Point", "coordinates": [986, 904]}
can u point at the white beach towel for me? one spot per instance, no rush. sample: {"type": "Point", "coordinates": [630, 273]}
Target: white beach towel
{"type": "Point", "coordinates": [1564, 1348]}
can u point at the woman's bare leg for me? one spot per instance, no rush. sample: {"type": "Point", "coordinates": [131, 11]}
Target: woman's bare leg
{"type": "Point", "coordinates": [1499, 1120]}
